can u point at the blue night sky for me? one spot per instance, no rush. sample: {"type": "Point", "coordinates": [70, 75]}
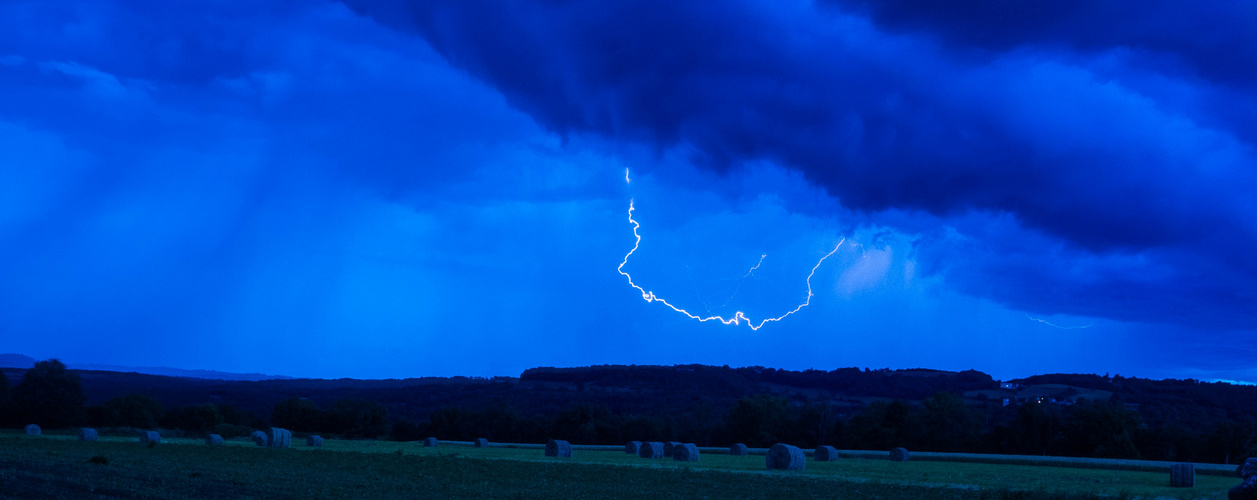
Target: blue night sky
{"type": "Point", "coordinates": [395, 188]}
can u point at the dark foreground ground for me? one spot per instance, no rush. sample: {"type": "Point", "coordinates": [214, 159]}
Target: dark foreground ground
{"type": "Point", "coordinates": [52, 467]}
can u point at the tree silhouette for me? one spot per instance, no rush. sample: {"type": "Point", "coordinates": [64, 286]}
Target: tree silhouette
{"type": "Point", "coordinates": [199, 418]}
{"type": "Point", "coordinates": [1234, 440]}
{"type": "Point", "coordinates": [947, 424]}
{"type": "Point", "coordinates": [759, 421]}
{"type": "Point", "coordinates": [133, 410]}
{"type": "Point", "coordinates": [582, 423]}
{"type": "Point", "coordinates": [1103, 429]}
{"type": "Point", "coordinates": [299, 415]}
{"type": "Point", "coordinates": [883, 425]}
{"type": "Point", "coordinates": [1038, 429]}
{"type": "Point", "coordinates": [49, 395]}
{"type": "Point", "coordinates": [359, 418]}
{"type": "Point", "coordinates": [5, 404]}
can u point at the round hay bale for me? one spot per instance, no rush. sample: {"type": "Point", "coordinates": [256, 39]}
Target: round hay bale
{"type": "Point", "coordinates": [1245, 490]}
{"type": "Point", "coordinates": [652, 449]}
{"type": "Point", "coordinates": [782, 456]}
{"type": "Point", "coordinates": [899, 455]}
{"type": "Point", "coordinates": [558, 448]}
{"type": "Point", "coordinates": [213, 440]}
{"type": "Point", "coordinates": [825, 454]}
{"type": "Point", "coordinates": [258, 437]}
{"type": "Point", "coordinates": [633, 447]}
{"type": "Point", "coordinates": [315, 441]}
{"type": "Point", "coordinates": [1248, 468]}
{"type": "Point", "coordinates": [278, 438]}
{"type": "Point", "coordinates": [430, 442]}
{"type": "Point", "coordinates": [481, 443]}
{"type": "Point", "coordinates": [738, 449]}
{"type": "Point", "coordinates": [88, 434]}
{"type": "Point", "coordinates": [687, 452]}
{"type": "Point", "coordinates": [668, 447]}
{"type": "Point", "coordinates": [150, 437]}
{"type": "Point", "coordinates": [1183, 475]}
{"type": "Point", "coordinates": [33, 430]}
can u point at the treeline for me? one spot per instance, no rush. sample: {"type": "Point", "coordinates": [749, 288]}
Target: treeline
{"type": "Point", "coordinates": [709, 406]}
{"type": "Point", "coordinates": [714, 380]}
{"type": "Point", "coordinates": [1184, 402]}
{"type": "Point", "coordinates": [53, 397]}
{"type": "Point", "coordinates": [943, 422]}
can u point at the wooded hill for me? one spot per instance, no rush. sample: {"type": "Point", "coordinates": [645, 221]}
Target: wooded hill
{"type": "Point", "coordinates": [622, 389]}
{"type": "Point", "coordinates": [1080, 415]}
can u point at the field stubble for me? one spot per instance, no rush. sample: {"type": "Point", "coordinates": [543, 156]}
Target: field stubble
{"type": "Point", "coordinates": [54, 466]}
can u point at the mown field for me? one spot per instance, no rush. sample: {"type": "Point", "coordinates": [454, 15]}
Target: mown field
{"type": "Point", "coordinates": [59, 466]}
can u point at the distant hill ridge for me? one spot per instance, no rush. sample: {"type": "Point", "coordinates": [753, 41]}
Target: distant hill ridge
{"type": "Point", "coordinates": [620, 388]}
{"type": "Point", "coordinates": [12, 360]}
{"type": "Point", "coordinates": [16, 361]}
{"type": "Point", "coordinates": [655, 389]}
{"type": "Point", "coordinates": [1163, 419]}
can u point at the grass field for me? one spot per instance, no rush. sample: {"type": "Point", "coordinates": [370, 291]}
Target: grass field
{"type": "Point", "coordinates": [59, 466]}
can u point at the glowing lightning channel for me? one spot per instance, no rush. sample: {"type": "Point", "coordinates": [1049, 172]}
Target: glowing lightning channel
{"type": "Point", "coordinates": [738, 317]}
{"type": "Point", "coordinates": [741, 281]}
{"type": "Point", "coordinates": [626, 177]}
{"type": "Point", "coordinates": [757, 264]}
{"type": "Point", "coordinates": [1048, 323]}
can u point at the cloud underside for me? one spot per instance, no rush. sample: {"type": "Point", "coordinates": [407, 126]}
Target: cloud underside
{"type": "Point", "coordinates": [1071, 165]}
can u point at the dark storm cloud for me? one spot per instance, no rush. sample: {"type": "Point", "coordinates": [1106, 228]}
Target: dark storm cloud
{"type": "Point", "coordinates": [1214, 41]}
{"type": "Point", "coordinates": [1028, 271]}
{"type": "Point", "coordinates": [1110, 135]}
{"type": "Point", "coordinates": [147, 39]}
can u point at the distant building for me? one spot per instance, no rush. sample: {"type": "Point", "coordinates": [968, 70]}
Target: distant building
{"type": "Point", "coordinates": [1009, 385]}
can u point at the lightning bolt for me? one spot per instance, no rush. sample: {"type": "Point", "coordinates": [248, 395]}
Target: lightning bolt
{"type": "Point", "coordinates": [1048, 323]}
{"type": "Point", "coordinates": [741, 281]}
{"type": "Point", "coordinates": [757, 264]}
{"type": "Point", "coordinates": [738, 317]}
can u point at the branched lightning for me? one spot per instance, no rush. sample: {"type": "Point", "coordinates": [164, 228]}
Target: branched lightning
{"type": "Point", "coordinates": [1048, 323]}
{"type": "Point", "coordinates": [757, 264]}
{"type": "Point", "coordinates": [738, 317]}
{"type": "Point", "coordinates": [742, 280]}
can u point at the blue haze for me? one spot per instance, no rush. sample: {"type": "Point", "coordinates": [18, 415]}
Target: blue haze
{"type": "Point", "coordinates": [387, 188]}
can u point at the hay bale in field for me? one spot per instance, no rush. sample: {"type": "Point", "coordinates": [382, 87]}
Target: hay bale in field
{"type": "Point", "coordinates": [899, 455]}
{"type": "Point", "coordinates": [1183, 475]}
{"type": "Point", "coordinates": [150, 437]}
{"type": "Point", "coordinates": [430, 442]}
{"type": "Point", "coordinates": [315, 441]}
{"type": "Point", "coordinates": [1248, 468]}
{"type": "Point", "coordinates": [88, 434]}
{"type": "Point", "coordinates": [687, 452]}
{"type": "Point", "coordinates": [668, 447]}
{"type": "Point", "coordinates": [652, 449]}
{"type": "Point", "coordinates": [738, 449]}
{"type": "Point", "coordinates": [1246, 490]}
{"type": "Point", "coordinates": [278, 438]}
{"type": "Point", "coordinates": [258, 437]}
{"type": "Point", "coordinates": [558, 448]}
{"type": "Point", "coordinates": [213, 440]}
{"type": "Point", "coordinates": [825, 454]}
{"type": "Point", "coordinates": [481, 443]}
{"type": "Point", "coordinates": [633, 447]}
{"type": "Point", "coordinates": [782, 456]}
{"type": "Point", "coordinates": [33, 430]}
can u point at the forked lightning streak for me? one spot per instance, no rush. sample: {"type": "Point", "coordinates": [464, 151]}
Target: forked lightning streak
{"type": "Point", "coordinates": [738, 317]}
{"type": "Point", "coordinates": [1048, 323]}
